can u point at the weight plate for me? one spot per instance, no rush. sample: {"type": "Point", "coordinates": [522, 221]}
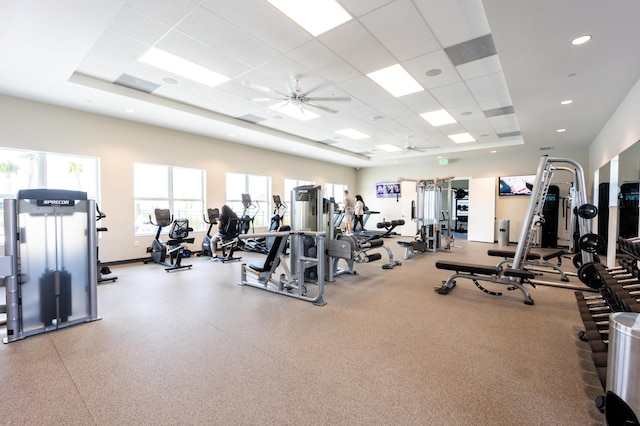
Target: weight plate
{"type": "Point", "coordinates": [591, 243]}
{"type": "Point", "coordinates": [588, 274]}
{"type": "Point", "coordinates": [587, 211]}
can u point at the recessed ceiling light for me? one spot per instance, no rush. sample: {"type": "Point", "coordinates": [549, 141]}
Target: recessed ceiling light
{"type": "Point", "coordinates": [295, 111]}
{"type": "Point", "coordinates": [580, 40]}
{"type": "Point", "coordinates": [396, 80]}
{"type": "Point", "coordinates": [466, 113]}
{"type": "Point", "coordinates": [433, 72]}
{"type": "Point", "coordinates": [129, 110]}
{"type": "Point", "coordinates": [353, 134]}
{"type": "Point", "coordinates": [566, 102]}
{"type": "Point", "coordinates": [438, 118]}
{"type": "Point", "coordinates": [177, 65]}
{"type": "Point", "coordinates": [388, 148]}
{"type": "Point", "coordinates": [493, 152]}
{"type": "Point", "coordinates": [170, 80]}
{"type": "Point", "coordinates": [561, 130]}
{"type": "Point", "coordinates": [316, 17]}
{"type": "Point", "coordinates": [462, 138]}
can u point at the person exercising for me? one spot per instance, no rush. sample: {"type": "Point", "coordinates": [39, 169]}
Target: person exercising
{"type": "Point", "coordinates": [347, 209]}
{"type": "Point", "coordinates": [226, 214]}
{"type": "Point", "coordinates": [359, 213]}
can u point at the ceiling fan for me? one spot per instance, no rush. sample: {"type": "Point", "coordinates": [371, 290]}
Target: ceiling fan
{"type": "Point", "coordinates": [298, 97]}
{"type": "Point", "coordinates": [409, 147]}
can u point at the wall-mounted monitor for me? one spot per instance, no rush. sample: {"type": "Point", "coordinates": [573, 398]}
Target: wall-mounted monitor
{"type": "Point", "coordinates": [516, 185]}
{"type": "Point", "coordinates": [388, 190]}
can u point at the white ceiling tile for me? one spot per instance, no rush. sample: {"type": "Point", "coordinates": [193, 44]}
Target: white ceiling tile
{"type": "Point", "coordinates": [418, 67]}
{"type": "Point", "coordinates": [504, 123]}
{"type": "Point", "coordinates": [453, 95]}
{"type": "Point", "coordinates": [455, 21]}
{"type": "Point", "coordinates": [212, 30]}
{"type": "Point", "coordinates": [421, 102]}
{"type": "Point", "coordinates": [347, 41]}
{"type": "Point", "coordinates": [262, 21]}
{"type": "Point", "coordinates": [360, 7]}
{"type": "Point", "coordinates": [169, 12]}
{"type": "Point", "coordinates": [494, 103]}
{"type": "Point", "coordinates": [408, 37]}
{"type": "Point", "coordinates": [365, 90]}
{"type": "Point", "coordinates": [317, 57]}
{"type": "Point", "coordinates": [202, 54]}
{"type": "Point", "coordinates": [461, 113]}
{"type": "Point", "coordinates": [480, 67]}
{"type": "Point", "coordinates": [488, 87]}
{"type": "Point", "coordinates": [138, 26]}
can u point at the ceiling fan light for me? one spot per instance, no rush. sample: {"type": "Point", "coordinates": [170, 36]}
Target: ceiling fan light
{"type": "Point", "coordinates": [295, 111]}
{"type": "Point", "coordinates": [438, 118]}
{"type": "Point", "coordinates": [353, 134]}
{"type": "Point", "coordinates": [316, 17]}
{"type": "Point", "coordinates": [462, 138]}
{"type": "Point", "coordinates": [396, 80]}
{"type": "Point", "coordinates": [180, 66]}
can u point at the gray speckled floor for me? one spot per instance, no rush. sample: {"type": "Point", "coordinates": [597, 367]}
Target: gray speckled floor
{"type": "Point", "coordinates": [194, 347]}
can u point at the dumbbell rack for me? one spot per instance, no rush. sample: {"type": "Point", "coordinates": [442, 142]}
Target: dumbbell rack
{"type": "Point", "coordinates": [619, 292]}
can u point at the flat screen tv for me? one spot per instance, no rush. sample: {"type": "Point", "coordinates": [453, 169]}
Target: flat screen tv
{"type": "Point", "coordinates": [516, 185]}
{"type": "Point", "coordinates": [388, 190]}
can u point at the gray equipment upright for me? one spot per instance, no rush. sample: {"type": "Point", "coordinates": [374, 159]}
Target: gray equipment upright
{"type": "Point", "coordinates": [50, 246]}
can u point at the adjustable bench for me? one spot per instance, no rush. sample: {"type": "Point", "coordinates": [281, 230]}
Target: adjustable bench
{"type": "Point", "coordinates": [533, 261]}
{"type": "Point", "coordinates": [513, 278]}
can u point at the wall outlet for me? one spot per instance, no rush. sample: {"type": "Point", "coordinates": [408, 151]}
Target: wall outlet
{"type": "Point", "coordinates": [136, 243]}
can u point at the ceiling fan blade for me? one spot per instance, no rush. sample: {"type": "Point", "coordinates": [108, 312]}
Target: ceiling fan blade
{"type": "Point", "coordinates": [317, 87]}
{"type": "Point", "coordinates": [323, 108]}
{"type": "Point", "coordinates": [327, 98]}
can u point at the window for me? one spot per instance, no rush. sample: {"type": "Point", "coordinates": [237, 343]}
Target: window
{"type": "Point", "coordinates": [336, 191]}
{"type": "Point", "coordinates": [179, 189]}
{"type": "Point", "coordinates": [21, 169]}
{"type": "Point", "coordinates": [258, 187]}
{"type": "Point", "coordinates": [289, 184]}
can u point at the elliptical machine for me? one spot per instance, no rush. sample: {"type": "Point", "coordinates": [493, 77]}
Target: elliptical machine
{"type": "Point", "coordinates": [102, 270]}
{"type": "Point", "coordinates": [207, 244]}
{"type": "Point", "coordinates": [174, 247]}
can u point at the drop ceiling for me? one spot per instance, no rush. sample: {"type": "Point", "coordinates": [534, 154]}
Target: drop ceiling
{"type": "Point", "coordinates": [499, 67]}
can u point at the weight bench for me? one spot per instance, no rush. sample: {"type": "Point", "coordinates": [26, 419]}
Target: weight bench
{"type": "Point", "coordinates": [513, 278]}
{"type": "Point", "coordinates": [534, 261]}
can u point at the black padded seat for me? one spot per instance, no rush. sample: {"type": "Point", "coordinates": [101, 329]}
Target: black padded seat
{"type": "Point", "coordinates": [510, 254]}
{"type": "Point", "coordinates": [267, 265]}
{"type": "Point", "coordinates": [468, 267]}
{"type": "Point", "coordinates": [519, 273]}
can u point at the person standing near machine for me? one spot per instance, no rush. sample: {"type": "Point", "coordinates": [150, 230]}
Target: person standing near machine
{"type": "Point", "coordinates": [348, 212]}
{"type": "Point", "coordinates": [359, 213]}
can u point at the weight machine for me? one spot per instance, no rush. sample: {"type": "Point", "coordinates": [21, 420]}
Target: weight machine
{"type": "Point", "coordinates": [50, 262]}
{"type": "Point", "coordinates": [432, 221]}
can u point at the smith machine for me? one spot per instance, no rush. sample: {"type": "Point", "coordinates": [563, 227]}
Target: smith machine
{"type": "Point", "coordinates": [516, 273]}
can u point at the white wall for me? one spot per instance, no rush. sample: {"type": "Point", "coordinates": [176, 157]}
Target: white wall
{"type": "Point", "coordinates": [120, 143]}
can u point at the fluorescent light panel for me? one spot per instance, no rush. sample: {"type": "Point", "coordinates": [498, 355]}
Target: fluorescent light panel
{"type": "Point", "coordinates": [353, 134]}
{"type": "Point", "coordinates": [438, 118]}
{"type": "Point", "coordinates": [177, 65]}
{"type": "Point", "coordinates": [317, 16]}
{"type": "Point", "coordinates": [388, 148]}
{"type": "Point", "coordinates": [396, 80]}
{"type": "Point", "coordinates": [295, 111]}
{"type": "Point", "coordinates": [462, 138]}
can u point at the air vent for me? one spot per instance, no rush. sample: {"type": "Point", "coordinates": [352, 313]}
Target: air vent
{"type": "Point", "coordinates": [471, 50]}
{"type": "Point", "coordinates": [546, 148]}
{"type": "Point", "coordinates": [136, 83]}
{"type": "Point", "coordinates": [499, 111]}
{"type": "Point", "coordinates": [510, 134]}
{"type": "Point", "coordinates": [250, 118]}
